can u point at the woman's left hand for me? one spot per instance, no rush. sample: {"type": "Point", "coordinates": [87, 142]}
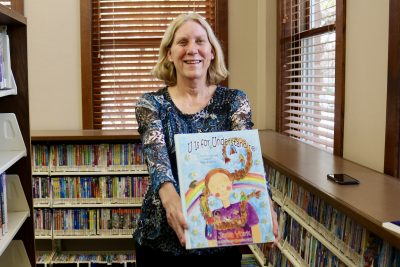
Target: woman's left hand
{"type": "Point", "coordinates": [275, 226]}
{"type": "Point", "coordinates": [173, 207]}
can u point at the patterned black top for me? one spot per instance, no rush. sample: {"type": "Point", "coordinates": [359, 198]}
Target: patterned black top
{"type": "Point", "coordinates": [159, 120]}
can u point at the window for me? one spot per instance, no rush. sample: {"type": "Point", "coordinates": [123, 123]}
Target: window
{"type": "Point", "coordinates": [120, 41]}
{"type": "Point", "coordinates": [311, 72]}
{"type": "Point", "coordinates": [17, 5]}
{"type": "Point", "coordinates": [6, 3]}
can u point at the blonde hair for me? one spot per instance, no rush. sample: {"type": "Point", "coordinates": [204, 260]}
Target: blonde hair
{"type": "Point", "coordinates": [165, 70]}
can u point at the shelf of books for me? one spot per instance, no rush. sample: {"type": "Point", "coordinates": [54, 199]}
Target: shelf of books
{"type": "Point", "coordinates": [87, 188]}
{"type": "Point", "coordinates": [258, 253]}
{"type": "Point", "coordinates": [305, 240]}
{"type": "Point", "coordinates": [14, 209]}
{"type": "Point", "coordinates": [322, 223]}
{"type": "Point", "coordinates": [43, 258]}
{"type": "Point", "coordinates": [249, 260]}
{"type": "Point", "coordinates": [17, 247]}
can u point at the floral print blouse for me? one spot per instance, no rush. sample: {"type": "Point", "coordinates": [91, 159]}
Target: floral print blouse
{"type": "Point", "coordinates": [159, 120]}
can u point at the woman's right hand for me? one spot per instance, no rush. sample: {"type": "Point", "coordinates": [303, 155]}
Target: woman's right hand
{"type": "Point", "coordinates": [171, 202]}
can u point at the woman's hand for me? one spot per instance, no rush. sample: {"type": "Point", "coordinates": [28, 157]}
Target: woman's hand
{"type": "Point", "coordinates": [275, 226]}
{"type": "Point", "coordinates": [171, 202]}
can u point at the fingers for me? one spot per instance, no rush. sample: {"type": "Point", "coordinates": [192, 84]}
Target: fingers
{"type": "Point", "coordinates": [182, 221]}
{"type": "Point", "coordinates": [275, 228]}
{"type": "Point", "coordinates": [181, 227]}
{"type": "Point", "coordinates": [181, 235]}
{"type": "Point", "coordinates": [173, 207]}
{"type": "Point", "coordinates": [178, 224]}
{"type": "Point", "coordinates": [274, 244]}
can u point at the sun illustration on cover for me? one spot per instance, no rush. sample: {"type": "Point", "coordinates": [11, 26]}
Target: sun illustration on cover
{"type": "Point", "coordinates": [237, 221]}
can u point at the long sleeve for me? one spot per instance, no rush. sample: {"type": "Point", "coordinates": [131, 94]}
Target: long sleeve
{"type": "Point", "coordinates": [241, 113]}
{"type": "Point", "coordinates": [153, 140]}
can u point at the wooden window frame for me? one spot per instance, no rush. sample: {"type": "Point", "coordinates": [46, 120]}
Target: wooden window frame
{"type": "Point", "coordinates": [86, 61]}
{"type": "Point", "coordinates": [18, 5]}
{"type": "Point", "coordinates": [392, 136]}
{"type": "Point", "coordinates": [339, 76]}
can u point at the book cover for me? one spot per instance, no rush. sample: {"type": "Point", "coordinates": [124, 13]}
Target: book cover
{"type": "Point", "coordinates": [393, 226]}
{"type": "Point", "coordinates": [223, 189]}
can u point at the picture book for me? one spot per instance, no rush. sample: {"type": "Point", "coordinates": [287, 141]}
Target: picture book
{"type": "Point", "coordinates": [393, 226]}
{"type": "Point", "coordinates": [223, 189]}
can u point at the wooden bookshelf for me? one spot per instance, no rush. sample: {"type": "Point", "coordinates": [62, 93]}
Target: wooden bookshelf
{"type": "Point", "coordinates": [18, 105]}
{"type": "Point", "coordinates": [84, 135]}
{"type": "Point", "coordinates": [372, 202]}
{"type": "Point", "coordinates": [75, 241]}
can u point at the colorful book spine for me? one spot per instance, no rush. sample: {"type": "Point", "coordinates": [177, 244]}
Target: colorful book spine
{"type": "Point", "coordinates": [3, 195]}
{"type": "Point", "coordinates": [43, 221]}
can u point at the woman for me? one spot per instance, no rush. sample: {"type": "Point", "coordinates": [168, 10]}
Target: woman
{"type": "Point", "coordinates": [191, 63]}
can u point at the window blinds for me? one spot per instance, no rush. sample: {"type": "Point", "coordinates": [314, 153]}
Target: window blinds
{"type": "Point", "coordinates": [308, 43]}
{"type": "Point", "coordinates": [6, 3]}
{"type": "Point", "coordinates": [125, 39]}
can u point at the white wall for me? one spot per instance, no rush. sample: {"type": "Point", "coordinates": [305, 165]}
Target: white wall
{"type": "Point", "coordinates": [367, 26]}
{"type": "Point", "coordinates": [252, 56]}
{"type": "Point", "coordinates": [55, 83]}
{"type": "Point", "coordinates": [54, 61]}
{"type": "Point", "coordinates": [54, 64]}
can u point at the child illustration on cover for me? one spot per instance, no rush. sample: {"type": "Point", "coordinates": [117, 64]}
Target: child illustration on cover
{"type": "Point", "coordinates": [233, 223]}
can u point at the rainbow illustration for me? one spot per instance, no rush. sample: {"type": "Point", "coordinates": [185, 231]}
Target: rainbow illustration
{"type": "Point", "coordinates": [250, 181]}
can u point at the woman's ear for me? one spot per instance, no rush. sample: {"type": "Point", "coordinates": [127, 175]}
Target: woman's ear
{"type": "Point", "coordinates": [169, 57]}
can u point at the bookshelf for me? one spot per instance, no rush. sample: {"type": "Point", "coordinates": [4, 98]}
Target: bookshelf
{"type": "Point", "coordinates": [18, 245]}
{"type": "Point", "coordinates": [344, 222]}
{"type": "Point", "coordinates": [86, 176]}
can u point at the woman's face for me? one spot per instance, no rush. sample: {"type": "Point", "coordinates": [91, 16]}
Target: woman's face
{"type": "Point", "coordinates": [191, 52]}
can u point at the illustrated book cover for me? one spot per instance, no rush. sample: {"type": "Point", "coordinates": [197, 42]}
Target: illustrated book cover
{"type": "Point", "coordinates": [223, 189]}
{"type": "Point", "coordinates": [393, 226]}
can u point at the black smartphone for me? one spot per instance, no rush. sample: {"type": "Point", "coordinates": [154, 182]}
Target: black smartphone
{"type": "Point", "coordinates": [342, 178]}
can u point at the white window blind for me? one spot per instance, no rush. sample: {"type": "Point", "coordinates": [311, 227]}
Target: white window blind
{"type": "Point", "coordinates": [6, 3]}
{"type": "Point", "coordinates": [125, 40]}
{"type": "Point", "coordinates": [308, 71]}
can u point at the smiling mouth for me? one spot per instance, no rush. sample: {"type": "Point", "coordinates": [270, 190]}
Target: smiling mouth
{"type": "Point", "coordinates": [192, 61]}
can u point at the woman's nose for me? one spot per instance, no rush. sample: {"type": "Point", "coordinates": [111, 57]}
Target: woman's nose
{"type": "Point", "coordinates": [191, 48]}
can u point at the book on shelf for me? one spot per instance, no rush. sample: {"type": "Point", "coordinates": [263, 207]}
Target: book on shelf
{"type": "Point", "coordinates": [3, 204]}
{"type": "Point", "coordinates": [7, 81]}
{"type": "Point", "coordinates": [90, 221]}
{"type": "Point", "coordinates": [224, 190]}
{"type": "Point", "coordinates": [392, 226]}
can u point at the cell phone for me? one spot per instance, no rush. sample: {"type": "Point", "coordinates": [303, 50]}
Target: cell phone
{"type": "Point", "coordinates": [342, 178]}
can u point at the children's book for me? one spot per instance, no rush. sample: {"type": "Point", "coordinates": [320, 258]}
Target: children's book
{"type": "Point", "coordinates": [223, 189]}
{"type": "Point", "coordinates": [393, 226]}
